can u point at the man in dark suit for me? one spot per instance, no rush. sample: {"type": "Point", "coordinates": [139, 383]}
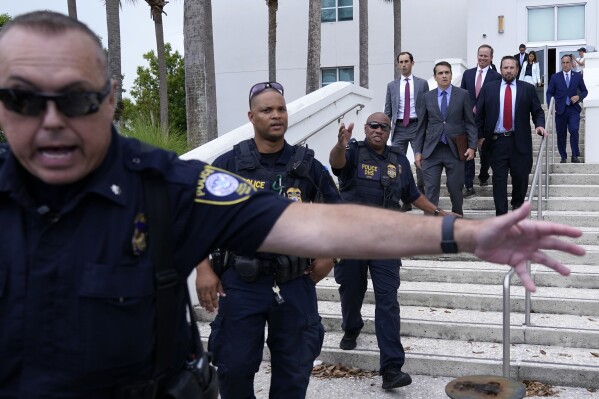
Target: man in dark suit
{"type": "Point", "coordinates": [400, 108]}
{"type": "Point", "coordinates": [503, 113]}
{"type": "Point", "coordinates": [473, 80]}
{"type": "Point", "coordinates": [568, 89]}
{"type": "Point", "coordinates": [444, 113]}
{"type": "Point", "coordinates": [521, 57]}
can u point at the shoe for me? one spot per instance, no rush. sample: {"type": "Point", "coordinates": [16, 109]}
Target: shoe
{"type": "Point", "coordinates": [348, 342]}
{"type": "Point", "coordinates": [484, 183]}
{"type": "Point", "coordinates": [575, 160]}
{"type": "Point", "coordinates": [563, 160]}
{"type": "Point", "coordinates": [470, 192]}
{"type": "Point", "coordinates": [393, 377]}
{"type": "Point", "coordinates": [405, 207]}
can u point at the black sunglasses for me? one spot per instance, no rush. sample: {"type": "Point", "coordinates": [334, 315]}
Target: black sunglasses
{"type": "Point", "coordinates": [260, 87]}
{"type": "Point", "coordinates": [376, 125]}
{"type": "Point", "coordinates": [71, 104]}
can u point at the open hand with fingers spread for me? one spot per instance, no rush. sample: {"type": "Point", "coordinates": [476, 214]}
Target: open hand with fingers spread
{"type": "Point", "coordinates": [513, 239]}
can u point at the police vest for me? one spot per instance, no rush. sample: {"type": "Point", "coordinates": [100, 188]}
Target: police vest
{"type": "Point", "coordinates": [293, 181]}
{"type": "Point", "coordinates": [376, 181]}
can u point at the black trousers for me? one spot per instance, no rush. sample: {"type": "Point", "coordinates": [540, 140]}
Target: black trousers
{"type": "Point", "coordinates": [505, 158]}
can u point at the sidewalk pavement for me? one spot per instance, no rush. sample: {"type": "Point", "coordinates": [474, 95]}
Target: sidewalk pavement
{"type": "Point", "coordinates": [422, 387]}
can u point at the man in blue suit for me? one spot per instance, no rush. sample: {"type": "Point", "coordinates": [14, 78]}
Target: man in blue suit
{"type": "Point", "coordinates": [473, 80]}
{"type": "Point", "coordinates": [503, 113]}
{"type": "Point", "coordinates": [568, 89]}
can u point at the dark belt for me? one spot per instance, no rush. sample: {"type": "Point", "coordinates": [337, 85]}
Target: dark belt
{"type": "Point", "coordinates": [412, 120]}
{"type": "Point", "coordinates": [497, 135]}
{"type": "Point", "coordinates": [284, 269]}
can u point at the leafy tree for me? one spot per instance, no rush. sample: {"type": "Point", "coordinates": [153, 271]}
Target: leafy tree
{"type": "Point", "coordinates": [4, 18]}
{"type": "Point", "coordinates": [146, 89]}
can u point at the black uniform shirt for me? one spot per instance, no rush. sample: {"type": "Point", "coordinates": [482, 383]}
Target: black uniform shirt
{"type": "Point", "coordinates": [77, 284]}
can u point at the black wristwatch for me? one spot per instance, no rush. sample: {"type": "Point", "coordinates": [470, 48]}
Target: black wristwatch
{"type": "Point", "coordinates": [448, 244]}
{"type": "Point", "coordinates": [437, 212]}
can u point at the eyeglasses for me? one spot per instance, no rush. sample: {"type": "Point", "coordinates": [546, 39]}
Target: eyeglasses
{"type": "Point", "coordinates": [376, 125]}
{"type": "Point", "coordinates": [71, 104]}
{"type": "Point", "coordinates": [260, 87]}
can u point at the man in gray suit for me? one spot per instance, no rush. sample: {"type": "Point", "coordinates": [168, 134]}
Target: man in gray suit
{"type": "Point", "coordinates": [444, 113]}
{"type": "Point", "coordinates": [400, 108]}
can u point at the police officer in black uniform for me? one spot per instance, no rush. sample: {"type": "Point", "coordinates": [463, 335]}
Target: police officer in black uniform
{"type": "Point", "coordinates": [372, 173]}
{"type": "Point", "coordinates": [272, 289]}
{"type": "Point", "coordinates": [78, 287]}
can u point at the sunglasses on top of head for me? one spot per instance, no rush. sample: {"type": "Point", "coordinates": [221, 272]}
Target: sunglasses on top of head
{"type": "Point", "coordinates": [260, 87]}
{"type": "Point", "coordinates": [71, 104]}
{"type": "Point", "coordinates": [375, 125]}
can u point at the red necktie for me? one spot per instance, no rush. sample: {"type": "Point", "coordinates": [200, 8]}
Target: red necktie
{"type": "Point", "coordinates": [507, 108]}
{"type": "Point", "coordinates": [406, 105]}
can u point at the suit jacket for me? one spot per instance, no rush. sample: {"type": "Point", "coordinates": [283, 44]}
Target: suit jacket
{"type": "Point", "coordinates": [393, 93]}
{"type": "Point", "coordinates": [469, 81]}
{"type": "Point", "coordinates": [460, 119]}
{"type": "Point", "coordinates": [536, 74]}
{"type": "Point", "coordinates": [558, 89]}
{"type": "Point", "coordinates": [517, 57]}
{"type": "Point", "coordinates": [527, 106]}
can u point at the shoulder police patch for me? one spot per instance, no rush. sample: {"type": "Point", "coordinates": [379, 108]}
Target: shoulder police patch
{"type": "Point", "coordinates": [219, 187]}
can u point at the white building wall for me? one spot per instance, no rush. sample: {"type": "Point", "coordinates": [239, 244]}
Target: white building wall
{"type": "Point", "coordinates": [241, 47]}
{"type": "Point", "coordinates": [431, 30]}
{"type": "Point", "coordinates": [483, 20]}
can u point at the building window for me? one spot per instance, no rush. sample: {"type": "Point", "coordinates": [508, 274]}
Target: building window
{"type": "Point", "coordinates": [341, 74]}
{"type": "Point", "coordinates": [337, 10]}
{"type": "Point", "coordinates": [548, 24]}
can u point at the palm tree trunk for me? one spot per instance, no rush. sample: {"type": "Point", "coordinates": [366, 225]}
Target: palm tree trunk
{"type": "Point", "coordinates": [200, 94]}
{"type": "Point", "coordinates": [396, 33]}
{"type": "Point", "coordinates": [156, 9]}
{"type": "Point", "coordinates": [72, 5]}
{"type": "Point", "coordinates": [113, 28]}
{"type": "Point", "coordinates": [162, 74]}
{"type": "Point", "coordinates": [363, 33]}
{"type": "Point", "coordinates": [273, 6]}
{"type": "Point", "coordinates": [314, 34]}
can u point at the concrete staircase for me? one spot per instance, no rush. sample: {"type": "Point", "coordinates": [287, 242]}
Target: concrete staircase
{"type": "Point", "coordinates": [451, 305]}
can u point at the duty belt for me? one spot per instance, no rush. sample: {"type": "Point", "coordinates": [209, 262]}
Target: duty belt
{"type": "Point", "coordinates": [284, 268]}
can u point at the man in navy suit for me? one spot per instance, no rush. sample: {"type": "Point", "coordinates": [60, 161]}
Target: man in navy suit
{"type": "Point", "coordinates": [503, 112]}
{"type": "Point", "coordinates": [568, 89]}
{"type": "Point", "coordinates": [473, 80]}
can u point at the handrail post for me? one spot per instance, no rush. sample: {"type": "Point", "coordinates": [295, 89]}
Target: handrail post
{"type": "Point", "coordinates": [506, 323]}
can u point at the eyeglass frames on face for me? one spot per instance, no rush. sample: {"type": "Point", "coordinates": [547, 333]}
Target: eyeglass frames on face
{"type": "Point", "coordinates": [376, 125]}
{"type": "Point", "coordinates": [260, 87]}
{"type": "Point", "coordinates": [71, 104]}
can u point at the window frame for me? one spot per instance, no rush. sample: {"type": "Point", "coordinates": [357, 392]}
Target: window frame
{"type": "Point", "coordinates": [336, 7]}
{"type": "Point", "coordinates": [337, 74]}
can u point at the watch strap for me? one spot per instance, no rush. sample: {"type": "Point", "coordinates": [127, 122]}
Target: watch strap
{"type": "Point", "coordinates": [448, 244]}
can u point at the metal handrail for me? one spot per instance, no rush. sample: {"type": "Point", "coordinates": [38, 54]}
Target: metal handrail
{"type": "Point", "coordinates": [336, 118]}
{"type": "Point", "coordinates": [536, 181]}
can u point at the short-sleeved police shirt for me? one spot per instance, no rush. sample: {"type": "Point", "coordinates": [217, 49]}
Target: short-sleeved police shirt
{"type": "Point", "coordinates": [77, 286]}
{"type": "Point", "coordinates": [409, 191]}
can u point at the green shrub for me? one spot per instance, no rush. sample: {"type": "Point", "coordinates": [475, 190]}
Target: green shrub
{"type": "Point", "coordinates": [142, 128]}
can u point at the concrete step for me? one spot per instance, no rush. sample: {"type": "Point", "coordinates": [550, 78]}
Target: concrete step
{"type": "Point", "coordinates": [555, 365]}
{"type": "Point", "coordinates": [573, 218]}
{"type": "Point", "coordinates": [480, 297]}
{"type": "Point", "coordinates": [551, 365]}
{"type": "Point", "coordinates": [477, 272]}
{"type": "Point", "coordinates": [570, 168]}
{"type": "Point", "coordinates": [469, 325]}
{"type": "Point", "coordinates": [554, 179]}
{"type": "Point", "coordinates": [482, 202]}
{"type": "Point", "coordinates": [564, 190]}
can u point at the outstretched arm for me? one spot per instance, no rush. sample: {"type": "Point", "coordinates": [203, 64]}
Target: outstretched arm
{"type": "Point", "coordinates": [353, 231]}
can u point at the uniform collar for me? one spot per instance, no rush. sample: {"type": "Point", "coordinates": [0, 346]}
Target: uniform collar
{"type": "Point", "coordinates": [108, 180]}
